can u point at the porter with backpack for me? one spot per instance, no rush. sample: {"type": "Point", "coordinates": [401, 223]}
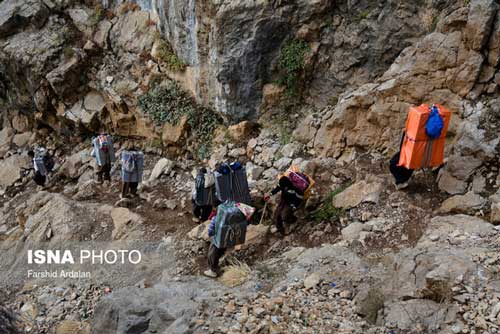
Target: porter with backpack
{"type": "Point", "coordinates": [422, 145]}
{"type": "Point", "coordinates": [203, 198]}
{"type": "Point", "coordinates": [43, 164]}
{"type": "Point", "coordinates": [228, 229]}
{"type": "Point", "coordinates": [132, 168]}
{"type": "Point", "coordinates": [295, 187]}
{"type": "Point", "coordinates": [104, 154]}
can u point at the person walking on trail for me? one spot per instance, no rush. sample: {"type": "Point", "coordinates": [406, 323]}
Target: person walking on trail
{"type": "Point", "coordinates": [227, 229]}
{"type": "Point", "coordinates": [104, 154]}
{"type": "Point", "coordinates": [294, 187]}
{"type": "Point", "coordinates": [43, 164]}
{"type": "Point", "coordinates": [402, 175]}
{"type": "Point", "coordinates": [132, 168]}
{"type": "Point", "coordinates": [203, 199]}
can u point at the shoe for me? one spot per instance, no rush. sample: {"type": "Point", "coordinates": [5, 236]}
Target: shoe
{"type": "Point", "coordinates": [401, 185]}
{"type": "Point", "coordinates": [210, 273]}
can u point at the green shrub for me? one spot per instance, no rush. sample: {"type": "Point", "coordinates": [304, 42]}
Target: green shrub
{"type": "Point", "coordinates": [327, 212]}
{"type": "Point", "coordinates": [168, 56]}
{"type": "Point", "coordinates": [97, 15]}
{"type": "Point", "coordinates": [332, 101]}
{"type": "Point", "coordinates": [363, 15]}
{"type": "Point", "coordinates": [291, 65]}
{"type": "Point", "coordinates": [169, 103]}
{"type": "Point", "coordinates": [68, 52]}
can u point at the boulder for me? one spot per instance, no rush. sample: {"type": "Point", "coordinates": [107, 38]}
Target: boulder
{"type": "Point", "coordinates": [479, 23]}
{"type": "Point", "coordinates": [467, 203]}
{"type": "Point", "coordinates": [17, 14]}
{"type": "Point", "coordinates": [82, 18]}
{"type": "Point", "coordinates": [200, 232]}
{"type": "Point", "coordinates": [162, 167]}
{"type": "Point", "coordinates": [102, 33]}
{"type": "Point", "coordinates": [94, 101]}
{"type": "Point", "coordinates": [255, 236]}
{"type": "Point", "coordinates": [271, 95]}
{"type": "Point", "coordinates": [282, 163]}
{"type": "Point", "coordinates": [406, 315]}
{"type": "Point", "coordinates": [132, 32]}
{"type": "Point", "coordinates": [306, 130]}
{"type": "Point", "coordinates": [173, 134]}
{"type": "Point", "coordinates": [240, 131]}
{"type": "Point", "coordinates": [127, 225]}
{"type": "Point", "coordinates": [10, 169]}
{"type": "Point", "coordinates": [6, 136]}
{"type": "Point", "coordinates": [168, 307]}
{"type": "Point", "coordinates": [352, 231]}
{"type": "Point", "coordinates": [22, 139]}
{"type": "Point", "coordinates": [72, 167]}
{"type": "Point", "coordinates": [64, 78]}
{"type": "Point", "coordinates": [72, 327]}
{"type": "Point", "coordinates": [253, 171]}
{"type": "Point", "coordinates": [312, 280]}
{"type": "Point", "coordinates": [358, 193]}
{"type": "Point", "coordinates": [443, 226]}
{"type": "Point", "coordinates": [450, 184]}
{"type": "Point", "coordinates": [20, 123]}
{"type": "Point", "coordinates": [66, 219]}
{"type": "Point", "coordinates": [290, 150]}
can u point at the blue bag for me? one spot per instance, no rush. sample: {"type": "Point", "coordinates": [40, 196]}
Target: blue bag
{"type": "Point", "coordinates": [434, 124]}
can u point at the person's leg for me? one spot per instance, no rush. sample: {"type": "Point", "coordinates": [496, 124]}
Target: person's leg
{"type": "Point", "coordinates": [278, 216]}
{"type": "Point", "coordinates": [99, 174]}
{"type": "Point", "coordinates": [125, 186]}
{"type": "Point", "coordinates": [133, 188]}
{"type": "Point", "coordinates": [401, 174]}
{"type": "Point", "coordinates": [214, 255]}
{"type": "Point", "coordinates": [196, 211]}
{"type": "Point", "coordinates": [205, 212]}
{"type": "Point", "coordinates": [39, 178]}
{"type": "Point", "coordinates": [107, 172]}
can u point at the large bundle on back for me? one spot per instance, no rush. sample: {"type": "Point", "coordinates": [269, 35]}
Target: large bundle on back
{"type": "Point", "coordinates": [103, 149]}
{"type": "Point", "coordinates": [301, 181]}
{"type": "Point", "coordinates": [204, 189]}
{"type": "Point", "coordinates": [231, 183]}
{"type": "Point", "coordinates": [132, 166]}
{"type": "Point", "coordinates": [423, 143]}
{"type": "Point", "coordinates": [231, 224]}
{"type": "Point", "coordinates": [40, 160]}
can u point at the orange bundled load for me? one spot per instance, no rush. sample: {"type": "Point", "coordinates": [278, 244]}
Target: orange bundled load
{"type": "Point", "coordinates": [418, 149]}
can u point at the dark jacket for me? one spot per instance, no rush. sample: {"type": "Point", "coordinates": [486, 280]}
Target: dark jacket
{"type": "Point", "coordinates": [291, 195]}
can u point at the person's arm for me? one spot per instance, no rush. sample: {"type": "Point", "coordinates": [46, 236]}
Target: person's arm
{"type": "Point", "coordinates": [211, 227]}
{"type": "Point", "coordinates": [272, 193]}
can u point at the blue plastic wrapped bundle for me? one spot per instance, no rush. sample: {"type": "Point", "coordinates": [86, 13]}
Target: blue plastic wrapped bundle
{"type": "Point", "coordinates": [230, 226]}
{"type": "Point", "coordinates": [104, 151]}
{"type": "Point", "coordinates": [204, 193]}
{"type": "Point", "coordinates": [39, 165]}
{"type": "Point", "coordinates": [132, 166]}
{"type": "Point", "coordinates": [231, 183]}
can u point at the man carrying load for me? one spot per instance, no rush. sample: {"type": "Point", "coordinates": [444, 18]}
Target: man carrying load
{"type": "Point", "coordinates": [294, 187]}
{"type": "Point", "coordinates": [104, 154]}
{"type": "Point", "coordinates": [132, 169]}
{"type": "Point", "coordinates": [422, 145]}
{"type": "Point", "coordinates": [43, 164]}
{"type": "Point", "coordinates": [227, 229]}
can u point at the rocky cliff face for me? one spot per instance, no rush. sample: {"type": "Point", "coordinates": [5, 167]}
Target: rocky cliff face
{"type": "Point", "coordinates": [232, 47]}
